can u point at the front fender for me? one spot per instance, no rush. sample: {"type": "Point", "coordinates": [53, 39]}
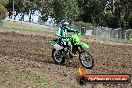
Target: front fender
{"type": "Point", "coordinates": [84, 45]}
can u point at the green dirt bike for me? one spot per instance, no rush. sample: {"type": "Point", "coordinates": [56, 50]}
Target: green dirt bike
{"type": "Point", "coordinates": [65, 47]}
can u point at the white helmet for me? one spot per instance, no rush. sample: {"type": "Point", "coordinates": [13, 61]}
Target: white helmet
{"type": "Point", "coordinates": [64, 23]}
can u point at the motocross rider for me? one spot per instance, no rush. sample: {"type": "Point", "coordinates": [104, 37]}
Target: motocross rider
{"type": "Point", "coordinates": [63, 29]}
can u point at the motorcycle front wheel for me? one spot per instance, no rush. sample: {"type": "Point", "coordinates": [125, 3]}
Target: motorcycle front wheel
{"type": "Point", "coordinates": [86, 60]}
{"type": "Point", "coordinates": [57, 57]}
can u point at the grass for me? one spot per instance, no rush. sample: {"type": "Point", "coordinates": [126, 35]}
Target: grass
{"type": "Point", "coordinates": [12, 76]}
{"type": "Point", "coordinates": [115, 40]}
{"type": "Point", "coordinates": [15, 77]}
{"type": "Point", "coordinates": [26, 27]}
{"type": "Point", "coordinates": [108, 39]}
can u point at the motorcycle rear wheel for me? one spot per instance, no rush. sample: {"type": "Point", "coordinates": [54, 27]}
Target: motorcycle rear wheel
{"type": "Point", "coordinates": [57, 57]}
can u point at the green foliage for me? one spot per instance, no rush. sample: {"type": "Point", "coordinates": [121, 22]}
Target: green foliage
{"type": "Point", "coordinates": [90, 10]}
{"type": "Point", "coordinates": [65, 9]}
{"type": "Point", "coordinates": [111, 13]}
{"type": "Point", "coordinates": [130, 21]}
{"type": "Point", "coordinates": [45, 7]}
{"type": "Point", "coordinates": [4, 2]}
{"type": "Point", "coordinates": [3, 12]}
{"type": "Point", "coordinates": [83, 24]}
{"type": "Point", "coordinates": [110, 20]}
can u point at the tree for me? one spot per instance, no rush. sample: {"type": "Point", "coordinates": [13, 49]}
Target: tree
{"type": "Point", "coordinates": [65, 9]}
{"type": "Point", "coordinates": [45, 8]}
{"type": "Point", "coordinates": [3, 12]}
{"type": "Point", "coordinates": [4, 2]}
{"type": "Point", "coordinates": [90, 10]}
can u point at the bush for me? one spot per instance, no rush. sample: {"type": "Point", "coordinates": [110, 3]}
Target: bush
{"type": "Point", "coordinates": [3, 12]}
{"type": "Point", "coordinates": [130, 21]}
{"type": "Point", "coordinates": [111, 21]}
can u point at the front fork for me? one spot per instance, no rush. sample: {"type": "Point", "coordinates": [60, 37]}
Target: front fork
{"type": "Point", "coordinates": [80, 49]}
{"type": "Point", "coordinates": [67, 51]}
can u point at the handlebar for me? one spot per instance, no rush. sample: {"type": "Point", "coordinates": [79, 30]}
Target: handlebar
{"type": "Point", "coordinates": [66, 37]}
{"type": "Point", "coordinates": [63, 37]}
{"type": "Point", "coordinates": [76, 32]}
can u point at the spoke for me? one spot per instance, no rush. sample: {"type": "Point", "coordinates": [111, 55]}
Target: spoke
{"type": "Point", "coordinates": [58, 56]}
{"type": "Point", "coordinates": [86, 59]}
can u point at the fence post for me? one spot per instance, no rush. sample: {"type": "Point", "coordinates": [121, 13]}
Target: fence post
{"type": "Point", "coordinates": [83, 30]}
{"type": "Point", "coordinates": [109, 32]}
{"type": "Point", "coordinates": [128, 35]}
{"type": "Point", "coordinates": [1, 23]}
{"type": "Point", "coordinates": [125, 34]}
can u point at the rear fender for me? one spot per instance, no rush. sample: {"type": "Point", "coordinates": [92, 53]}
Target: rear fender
{"type": "Point", "coordinates": [56, 46]}
{"type": "Point", "coordinates": [53, 42]}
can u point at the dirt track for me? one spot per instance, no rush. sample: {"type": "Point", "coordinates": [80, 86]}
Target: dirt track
{"type": "Point", "coordinates": [33, 52]}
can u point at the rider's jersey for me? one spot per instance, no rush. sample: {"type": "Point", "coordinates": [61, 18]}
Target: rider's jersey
{"type": "Point", "coordinates": [63, 30]}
